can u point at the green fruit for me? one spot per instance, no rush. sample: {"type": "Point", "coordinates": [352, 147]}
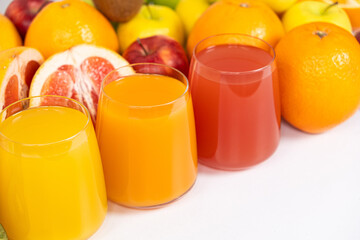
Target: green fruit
{"type": "Point", "coordinates": [115, 25]}
{"type": "Point", "coordinates": [169, 3]}
{"type": "Point", "coordinates": [189, 12]}
{"type": "Point", "coordinates": [3, 235]}
{"type": "Point", "coordinates": [90, 2]}
{"type": "Point", "coordinates": [151, 20]}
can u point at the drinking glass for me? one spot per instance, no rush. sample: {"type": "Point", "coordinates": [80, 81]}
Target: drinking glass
{"type": "Point", "coordinates": [146, 133]}
{"type": "Point", "coordinates": [51, 180]}
{"type": "Point", "coordinates": [235, 90]}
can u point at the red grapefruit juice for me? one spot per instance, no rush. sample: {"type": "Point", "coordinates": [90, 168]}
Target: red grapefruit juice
{"type": "Point", "coordinates": [237, 107]}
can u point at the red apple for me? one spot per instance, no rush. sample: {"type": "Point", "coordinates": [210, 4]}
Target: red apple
{"type": "Point", "coordinates": [22, 12]}
{"type": "Point", "coordinates": [158, 49]}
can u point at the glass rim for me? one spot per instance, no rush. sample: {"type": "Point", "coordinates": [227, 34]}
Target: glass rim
{"type": "Point", "coordinates": [86, 113]}
{"type": "Point", "coordinates": [135, 73]}
{"type": "Point", "coordinates": [232, 72]}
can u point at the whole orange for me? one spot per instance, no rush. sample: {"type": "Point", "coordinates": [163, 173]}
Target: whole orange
{"type": "Point", "coordinates": [319, 75]}
{"type": "Point", "coordinates": [237, 16]}
{"type": "Point", "coordinates": [9, 37]}
{"type": "Point", "coordinates": [64, 24]}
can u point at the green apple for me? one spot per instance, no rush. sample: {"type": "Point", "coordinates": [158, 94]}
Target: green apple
{"type": "Point", "coordinates": [313, 11]}
{"type": "Point", "coordinates": [2, 233]}
{"type": "Point", "coordinates": [168, 3]}
{"type": "Point", "coordinates": [151, 20]}
{"type": "Point", "coordinates": [90, 2]}
{"type": "Point", "coordinates": [189, 11]}
{"type": "Point", "coordinates": [279, 6]}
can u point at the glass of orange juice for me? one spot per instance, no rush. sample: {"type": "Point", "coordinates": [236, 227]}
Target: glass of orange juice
{"type": "Point", "coordinates": [146, 133]}
{"type": "Point", "coordinates": [51, 180]}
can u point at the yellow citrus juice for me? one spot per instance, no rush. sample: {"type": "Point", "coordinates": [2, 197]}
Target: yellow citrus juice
{"type": "Point", "coordinates": [51, 180]}
{"type": "Point", "coordinates": [146, 134]}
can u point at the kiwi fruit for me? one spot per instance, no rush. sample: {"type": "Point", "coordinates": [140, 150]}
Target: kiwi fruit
{"type": "Point", "coordinates": [118, 10]}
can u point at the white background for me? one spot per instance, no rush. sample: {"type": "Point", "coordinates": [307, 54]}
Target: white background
{"type": "Point", "coordinates": [308, 190]}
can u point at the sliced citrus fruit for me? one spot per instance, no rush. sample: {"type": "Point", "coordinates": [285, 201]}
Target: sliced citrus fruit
{"type": "Point", "coordinates": [76, 73]}
{"type": "Point", "coordinates": [17, 68]}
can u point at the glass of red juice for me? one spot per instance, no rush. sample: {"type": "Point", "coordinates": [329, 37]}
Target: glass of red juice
{"type": "Point", "coordinates": [235, 90]}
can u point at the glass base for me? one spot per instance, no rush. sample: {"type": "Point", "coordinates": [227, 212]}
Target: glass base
{"type": "Point", "coordinates": [215, 165]}
{"type": "Point", "coordinates": [155, 206]}
{"type": "Point", "coordinates": [226, 168]}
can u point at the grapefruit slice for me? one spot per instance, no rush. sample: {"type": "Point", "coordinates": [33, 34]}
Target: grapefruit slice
{"type": "Point", "coordinates": [17, 68]}
{"type": "Point", "coordinates": [76, 73]}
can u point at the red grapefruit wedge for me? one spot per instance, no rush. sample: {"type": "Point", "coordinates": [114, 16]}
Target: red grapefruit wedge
{"type": "Point", "coordinates": [17, 68]}
{"type": "Point", "coordinates": [76, 73]}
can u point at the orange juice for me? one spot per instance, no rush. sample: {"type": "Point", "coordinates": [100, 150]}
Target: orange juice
{"type": "Point", "coordinates": [146, 134]}
{"type": "Point", "coordinates": [51, 180]}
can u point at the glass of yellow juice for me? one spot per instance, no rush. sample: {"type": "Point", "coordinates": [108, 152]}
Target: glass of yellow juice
{"type": "Point", "coordinates": [146, 133]}
{"type": "Point", "coordinates": [51, 180]}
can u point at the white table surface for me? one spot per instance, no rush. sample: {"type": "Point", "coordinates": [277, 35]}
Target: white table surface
{"type": "Point", "coordinates": [308, 190]}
